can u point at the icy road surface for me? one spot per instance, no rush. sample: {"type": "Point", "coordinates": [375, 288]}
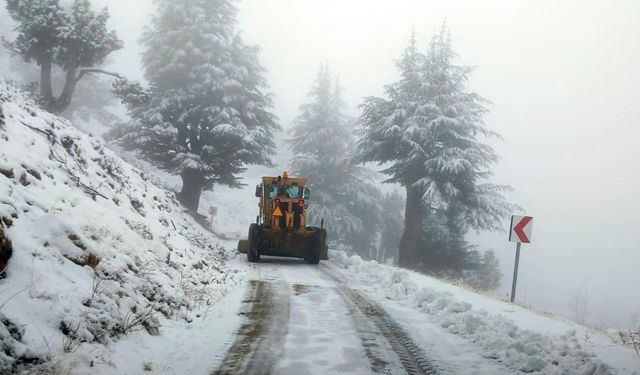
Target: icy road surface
{"type": "Point", "coordinates": [305, 319]}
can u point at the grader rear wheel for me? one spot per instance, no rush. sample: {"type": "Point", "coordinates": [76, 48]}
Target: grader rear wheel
{"type": "Point", "coordinates": [253, 250]}
{"type": "Point", "coordinates": [324, 249]}
{"type": "Point", "coordinates": [314, 247]}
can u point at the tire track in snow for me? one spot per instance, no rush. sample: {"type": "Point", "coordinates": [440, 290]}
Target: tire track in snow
{"type": "Point", "coordinates": [259, 341]}
{"type": "Point", "coordinates": [411, 356]}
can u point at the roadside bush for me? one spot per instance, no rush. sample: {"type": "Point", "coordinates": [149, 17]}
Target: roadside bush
{"type": "Point", "coordinates": [486, 275]}
{"type": "Point", "coordinates": [6, 250]}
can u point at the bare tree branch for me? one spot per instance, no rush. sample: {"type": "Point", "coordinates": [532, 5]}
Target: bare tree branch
{"type": "Point", "coordinates": [91, 190]}
{"type": "Point", "coordinates": [48, 133]}
{"type": "Point", "coordinates": [98, 71]}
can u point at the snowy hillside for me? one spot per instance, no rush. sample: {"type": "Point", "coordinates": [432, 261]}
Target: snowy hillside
{"type": "Point", "coordinates": [98, 252]}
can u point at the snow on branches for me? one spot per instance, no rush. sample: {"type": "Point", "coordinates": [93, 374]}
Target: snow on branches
{"type": "Point", "coordinates": [428, 133]}
{"type": "Point", "coordinates": [75, 39]}
{"type": "Point", "coordinates": [206, 113]}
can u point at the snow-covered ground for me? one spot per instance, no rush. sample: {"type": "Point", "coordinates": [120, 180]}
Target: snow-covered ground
{"type": "Point", "coordinates": [518, 338]}
{"type": "Point", "coordinates": [460, 332]}
{"type": "Point", "coordinates": [108, 274]}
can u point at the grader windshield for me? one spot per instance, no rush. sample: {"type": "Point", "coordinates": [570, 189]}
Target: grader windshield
{"type": "Point", "coordinates": [291, 191]}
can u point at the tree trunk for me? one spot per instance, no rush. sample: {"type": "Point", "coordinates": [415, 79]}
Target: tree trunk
{"type": "Point", "coordinates": [192, 184]}
{"type": "Point", "coordinates": [411, 241]}
{"type": "Point", "coordinates": [46, 92]}
{"type": "Point", "coordinates": [60, 104]}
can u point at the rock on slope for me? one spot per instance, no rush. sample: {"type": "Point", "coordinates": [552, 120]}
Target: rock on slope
{"type": "Point", "coordinates": [98, 251]}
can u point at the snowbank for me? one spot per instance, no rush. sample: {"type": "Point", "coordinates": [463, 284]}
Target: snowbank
{"type": "Point", "coordinates": [523, 341]}
{"type": "Point", "coordinates": [98, 250]}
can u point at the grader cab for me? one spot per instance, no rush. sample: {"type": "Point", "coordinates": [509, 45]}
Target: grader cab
{"type": "Point", "coordinates": [280, 228]}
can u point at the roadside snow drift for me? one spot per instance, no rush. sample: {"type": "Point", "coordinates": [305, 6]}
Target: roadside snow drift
{"type": "Point", "coordinates": [521, 340]}
{"type": "Point", "coordinates": [98, 251]}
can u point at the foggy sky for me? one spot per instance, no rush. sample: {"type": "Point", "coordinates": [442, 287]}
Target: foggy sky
{"type": "Point", "coordinates": [563, 79]}
{"type": "Point", "coordinates": [562, 76]}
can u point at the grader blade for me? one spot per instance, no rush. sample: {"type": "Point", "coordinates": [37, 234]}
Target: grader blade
{"type": "Point", "coordinates": [243, 246]}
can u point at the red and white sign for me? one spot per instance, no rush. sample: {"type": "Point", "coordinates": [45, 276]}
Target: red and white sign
{"type": "Point", "coordinates": [521, 229]}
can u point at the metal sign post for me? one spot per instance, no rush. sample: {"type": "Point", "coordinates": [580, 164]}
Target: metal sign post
{"type": "Point", "coordinates": [515, 273]}
{"type": "Point", "coordinates": [519, 232]}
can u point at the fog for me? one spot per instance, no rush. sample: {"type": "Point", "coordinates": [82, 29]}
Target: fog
{"type": "Point", "coordinates": [563, 82]}
{"type": "Point", "coordinates": [562, 77]}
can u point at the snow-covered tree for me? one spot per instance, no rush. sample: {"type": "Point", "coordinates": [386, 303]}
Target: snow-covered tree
{"type": "Point", "coordinates": [93, 96]}
{"type": "Point", "coordinates": [391, 225]}
{"type": "Point", "coordinates": [205, 113]}
{"type": "Point", "coordinates": [321, 133]}
{"type": "Point", "coordinates": [76, 40]}
{"type": "Point", "coordinates": [322, 140]}
{"type": "Point", "coordinates": [428, 134]}
{"type": "Point", "coordinates": [5, 31]}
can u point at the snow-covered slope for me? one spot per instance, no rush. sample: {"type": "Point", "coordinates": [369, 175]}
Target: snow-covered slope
{"type": "Point", "coordinates": [98, 251]}
{"type": "Point", "coordinates": [520, 339]}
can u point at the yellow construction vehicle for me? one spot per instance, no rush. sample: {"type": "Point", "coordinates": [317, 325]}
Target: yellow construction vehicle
{"type": "Point", "coordinates": [280, 228]}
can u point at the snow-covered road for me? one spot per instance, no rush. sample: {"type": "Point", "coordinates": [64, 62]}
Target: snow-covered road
{"type": "Point", "coordinates": [303, 319]}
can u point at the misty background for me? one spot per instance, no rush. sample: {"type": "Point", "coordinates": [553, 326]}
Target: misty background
{"type": "Point", "coordinates": [564, 90]}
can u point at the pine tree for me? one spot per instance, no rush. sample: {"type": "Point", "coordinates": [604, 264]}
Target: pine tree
{"type": "Point", "coordinates": [322, 140]}
{"type": "Point", "coordinates": [384, 139]}
{"type": "Point", "coordinates": [5, 29]}
{"type": "Point", "coordinates": [429, 134]}
{"type": "Point", "coordinates": [205, 114]}
{"type": "Point", "coordinates": [76, 39]}
{"type": "Point", "coordinates": [391, 225]}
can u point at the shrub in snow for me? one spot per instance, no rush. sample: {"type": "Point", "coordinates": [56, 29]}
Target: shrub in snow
{"type": "Point", "coordinates": [6, 249]}
{"type": "Point", "coordinates": [485, 274]}
{"type": "Point", "coordinates": [13, 352]}
{"type": "Point", "coordinates": [631, 337]}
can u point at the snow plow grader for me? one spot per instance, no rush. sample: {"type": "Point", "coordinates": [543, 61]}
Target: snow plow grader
{"type": "Point", "coordinates": [280, 228]}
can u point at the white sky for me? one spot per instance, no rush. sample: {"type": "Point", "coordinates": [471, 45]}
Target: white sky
{"type": "Point", "coordinates": [563, 79]}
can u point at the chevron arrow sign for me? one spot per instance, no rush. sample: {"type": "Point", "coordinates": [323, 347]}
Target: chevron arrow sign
{"type": "Point", "coordinates": [521, 229]}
